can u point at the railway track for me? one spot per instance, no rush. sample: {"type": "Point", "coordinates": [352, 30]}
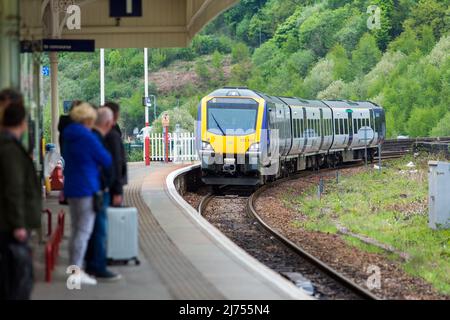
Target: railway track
{"type": "Point", "coordinates": [232, 211]}
{"type": "Point", "coordinates": [244, 226]}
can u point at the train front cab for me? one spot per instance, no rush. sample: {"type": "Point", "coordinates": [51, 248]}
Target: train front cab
{"type": "Point", "coordinates": [232, 123]}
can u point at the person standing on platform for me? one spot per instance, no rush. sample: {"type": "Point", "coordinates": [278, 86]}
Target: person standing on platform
{"type": "Point", "coordinates": [84, 155]}
{"type": "Point", "coordinates": [115, 145]}
{"type": "Point", "coordinates": [20, 206]}
{"type": "Point", "coordinates": [64, 122]}
{"type": "Point", "coordinates": [96, 260]}
{"type": "Point", "coordinates": [6, 97]}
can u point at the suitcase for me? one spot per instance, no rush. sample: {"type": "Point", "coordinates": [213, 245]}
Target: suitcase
{"type": "Point", "coordinates": [122, 243]}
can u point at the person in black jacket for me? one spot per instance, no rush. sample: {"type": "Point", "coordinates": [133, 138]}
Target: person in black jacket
{"type": "Point", "coordinates": [8, 96]}
{"type": "Point", "coordinates": [65, 121]}
{"type": "Point", "coordinates": [96, 255]}
{"type": "Point", "coordinates": [114, 144]}
{"type": "Point", "coordinates": [20, 206]}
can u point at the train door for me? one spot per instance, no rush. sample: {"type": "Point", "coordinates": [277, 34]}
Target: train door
{"type": "Point", "coordinates": [339, 126]}
{"type": "Point", "coordinates": [350, 128]}
{"type": "Point", "coordinates": [297, 124]}
{"type": "Point", "coordinates": [327, 129]}
{"type": "Point", "coordinates": [282, 114]}
{"type": "Point", "coordinates": [309, 130]}
{"type": "Point", "coordinates": [380, 125]}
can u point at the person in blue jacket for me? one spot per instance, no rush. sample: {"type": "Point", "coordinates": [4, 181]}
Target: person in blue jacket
{"type": "Point", "coordinates": [84, 156]}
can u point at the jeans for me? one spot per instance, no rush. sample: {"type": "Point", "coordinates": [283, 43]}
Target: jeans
{"type": "Point", "coordinates": [96, 260]}
{"type": "Point", "coordinates": [82, 217]}
{"type": "Point", "coordinates": [16, 268]}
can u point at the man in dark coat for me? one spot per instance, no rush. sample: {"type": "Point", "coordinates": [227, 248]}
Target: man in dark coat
{"type": "Point", "coordinates": [96, 255]}
{"type": "Point", "coordinates": [20, 206]}
{"type": "Point", "coordinates": [114, 144]}
{"type": "Point", "coordinates": [65, 121]}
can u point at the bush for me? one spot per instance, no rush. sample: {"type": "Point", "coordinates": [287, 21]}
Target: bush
{"type": "Point", "coordinates": [239, 52]}
{"type": "Point", "coordinates": [366, 55]}
{"type": "Point", "coordinates": [442, 129]}
{"type": "Point", "coordinates": [300, 62]}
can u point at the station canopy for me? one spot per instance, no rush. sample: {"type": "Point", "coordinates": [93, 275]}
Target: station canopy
{"type": "Point", "coordinates": [155, 24]}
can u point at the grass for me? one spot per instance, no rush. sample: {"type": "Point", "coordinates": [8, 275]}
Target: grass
{"type": "Point", "coordinates": [390, 207]}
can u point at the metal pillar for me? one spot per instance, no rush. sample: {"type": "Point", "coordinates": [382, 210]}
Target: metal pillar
{"type": "Point", "coordinates": [54, 96]}
{"type": "Point", "coordinates": [10, 44]}
{"type": "Point", "coordinates": [102, 77]}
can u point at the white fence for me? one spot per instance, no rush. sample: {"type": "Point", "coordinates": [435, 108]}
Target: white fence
{"type": "Point", "coordinates": [181, 147]}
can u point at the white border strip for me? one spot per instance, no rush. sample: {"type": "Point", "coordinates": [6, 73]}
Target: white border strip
{"type": "Point", "coordinates": [247, 260]}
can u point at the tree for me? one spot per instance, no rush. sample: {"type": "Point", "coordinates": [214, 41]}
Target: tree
{"type": "Point", "coordinates": [442, 129]}
{"type": "Point", "coordinates": [239, 52]}
{"type": "Point", "coordinates": [433, 13]}
{"type": "Point", "coordinates": [318, 32]}
{"type": "Point", "coordinates": [384, 34]}
{"type": "Point", "coordinates": [366, 55]}
{"type": "Point", "coordinates": [319, 78]}
{"type": "Point", "coordinates": [341, 61]}
{"type": "Point", "coordinates": [300, 62]}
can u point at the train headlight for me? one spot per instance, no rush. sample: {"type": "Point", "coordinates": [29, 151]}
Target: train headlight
{"type": "Point", "coordinates": [254, 147]}
{"type": "Point", "coordinates": [206, 146]}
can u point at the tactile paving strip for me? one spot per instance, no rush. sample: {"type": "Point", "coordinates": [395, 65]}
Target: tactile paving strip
{"type": "Point", "coordinates": [181, 278]}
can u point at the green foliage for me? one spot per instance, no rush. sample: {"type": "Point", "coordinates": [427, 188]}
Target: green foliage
{"type": "Point", "coordinates": [341, 61]}
{"type": "Point", "coordinates": [318, 31]}
{"type": "Point", "coordinates": [366, 55]}
{"type": "Point", "coordinates": [300, 62]}
{"type": "Point", "coordinates": [442, 128]}
{"type": "Point", "coordinates": [239, 52]}
{"type": "Point", "coordinates": [384, 35]}
{"type": "Point", "coordinates": [179, 116]}
{"type": "Point", "coordinates": [202, 71]}
{"type": "Point", "coordinates": [433, 13]}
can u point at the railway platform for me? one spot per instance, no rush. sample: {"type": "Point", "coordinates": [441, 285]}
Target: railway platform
{"type": "Point", "coordinates": [182, 257]}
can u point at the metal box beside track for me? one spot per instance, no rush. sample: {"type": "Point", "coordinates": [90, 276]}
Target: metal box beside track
{"type": "Point", "coordinates": [439, 194]}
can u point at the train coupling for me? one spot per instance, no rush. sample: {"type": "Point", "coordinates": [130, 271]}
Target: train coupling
{"type": "Point", "coordinates": [229, 165]}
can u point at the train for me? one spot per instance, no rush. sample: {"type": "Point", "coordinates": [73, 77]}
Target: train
{"type": "Point", "coordinates": [245, 137]}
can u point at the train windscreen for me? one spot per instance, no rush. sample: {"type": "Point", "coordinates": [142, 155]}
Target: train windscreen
{"type": "Point", "coordinates": [232, 116]}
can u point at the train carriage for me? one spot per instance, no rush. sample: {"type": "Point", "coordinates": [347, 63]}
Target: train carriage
{"type": "Point", "coordinates": [247, 137]}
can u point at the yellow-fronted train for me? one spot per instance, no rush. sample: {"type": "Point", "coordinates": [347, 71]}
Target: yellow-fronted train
{"type": "Point", "coordinates": [245, 137]}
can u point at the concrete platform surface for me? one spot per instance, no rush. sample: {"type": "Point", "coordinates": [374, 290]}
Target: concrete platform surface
{"type": "Point", "coordinates": [179, 258]}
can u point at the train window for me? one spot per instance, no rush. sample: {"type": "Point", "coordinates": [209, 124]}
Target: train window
{"type": "Point", "coordinates": [355, 128]}
{"type": "Point", "coordinates": [341, 126]}
{"type": "Point", "coordinates": [346, 126]}
{"type": "Point", "coordinates": [359, 124]}
{"type": "Point", "coordinates": [294, 128]}
{"type": "Point", "coordinates": [298, 128]}
{"type": "Point", "coordinates": [316, 129]}
{"type": "Point", "coordinates": [336, 126]}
